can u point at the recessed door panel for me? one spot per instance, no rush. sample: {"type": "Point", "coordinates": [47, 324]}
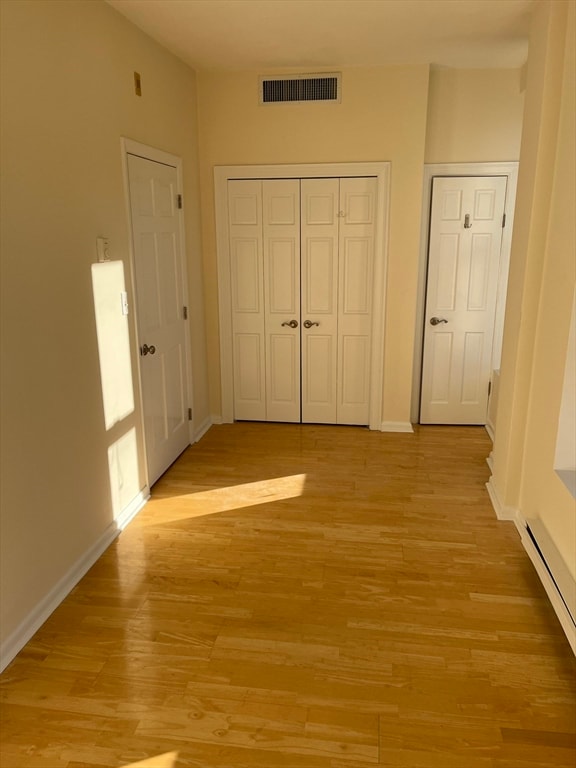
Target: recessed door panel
{"type": "Point", "coordinates": [320, 383]}
{"type": "Point", "coordinates": [319, 278]}
{"type": "Point", "coordinates": [479, 272]}
{"type": "Point", "coordinates": [356, 282]}
{"type": "Point", "coordinates": [354, 352]}
{"type": "Point", "coordinates": [444, 276]}
{"type": "Point", "coordinates": [283, 278]}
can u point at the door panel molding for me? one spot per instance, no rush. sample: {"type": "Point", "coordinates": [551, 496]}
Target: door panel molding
{"type": "Point", "coordinates": [381, 172]}
{"type": "Point", "coordinates": [508, 169]}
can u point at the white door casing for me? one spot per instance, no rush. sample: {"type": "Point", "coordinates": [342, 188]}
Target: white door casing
{"type": "Point", "coordinates": [380, 171]}
{"type": "Point", "coordinates": [159, 278]}
{"type": "Point", "coordinates": [463, 268]}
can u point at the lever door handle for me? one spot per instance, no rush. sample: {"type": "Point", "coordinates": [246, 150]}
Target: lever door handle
{"type": "Point", "coordinates": [437, 320]}
{"type": "Point", "coordinates": [292, 323]}
{"type": "Point", "coordinates": [309, 323]}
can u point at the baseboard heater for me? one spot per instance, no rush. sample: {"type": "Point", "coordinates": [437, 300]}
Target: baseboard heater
{"type": "Point", "coordinates": [557, 580]}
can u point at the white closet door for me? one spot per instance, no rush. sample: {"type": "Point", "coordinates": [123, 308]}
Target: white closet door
{"type": "Point", "coordinates": [246, 265]}
{"type": "Point", "coordinates": [158, 259]}
{"type": "Point", "coordinates": [356, 266]}
{"type": "Point", "coordinates": [463, 264]}
{"type": "Point", "coordinates": [281, 228]}
{"type": "Point", "coordinates": [320, 199]}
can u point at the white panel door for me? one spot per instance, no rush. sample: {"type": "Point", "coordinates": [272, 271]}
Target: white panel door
{"type": "Point", "coordinates": [301, 254]}
{"type": "Point", "coordinates": [281, 231]}
{"type": "Point", "coordinates": [320, 206]}
{"type": "Point", "coordinates": [463, 264]}
{"type": "Point", "coordinates": [356, 265]}
{"type": "Point", "coordinates": [161, 326]}
{"type": "Point", "coordinates": [247, 282]}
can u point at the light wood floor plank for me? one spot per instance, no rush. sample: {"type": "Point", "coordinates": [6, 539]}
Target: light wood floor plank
{"type": "Point", "coordinates": [303, 597]}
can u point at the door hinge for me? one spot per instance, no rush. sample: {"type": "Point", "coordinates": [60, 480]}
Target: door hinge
{"type": "Point", "coordinates": [489, 388]}
{"type": "Point", "coordinates": [179, 201]}
{"type": "Point", "coordinates": [503, 220]}
{"type": "Point", "coordinates": [185, 313]}
{"type": "Point", "coordinates": [189, 414]}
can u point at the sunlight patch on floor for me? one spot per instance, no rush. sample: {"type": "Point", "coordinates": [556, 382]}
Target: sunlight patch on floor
{"type": "Point", "coordinates": [167, 760]}
{"type": "Point", "coordinates": [173, 508]}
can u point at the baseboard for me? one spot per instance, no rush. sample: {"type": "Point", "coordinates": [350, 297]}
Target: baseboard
{"type": "Point", "coordinates": [32, 623]}
{"type": "Point", "coordinates": [202, 429]}
{"type": "Point", "coordinates": [489, 427]}
{"type": "Point", "coordinates": [490, 461]}
{"type": "Point", "coordinates": [502, 512]}
{"type": "Point", "coordinates": [396, 426]}
{"type": "Point", "coordinates": [216, 418]}
{"type": "Point", "coordinates": [545, 572]}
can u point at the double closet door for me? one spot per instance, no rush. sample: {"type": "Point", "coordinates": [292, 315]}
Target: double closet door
{"type": "Point", "coordinates": [302, 254]}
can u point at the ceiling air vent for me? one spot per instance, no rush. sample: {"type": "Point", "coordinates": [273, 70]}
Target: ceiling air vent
{"type": "Point", "coordinates": [294, 88]}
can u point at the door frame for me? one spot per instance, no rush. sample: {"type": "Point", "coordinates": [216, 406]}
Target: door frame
{"type": "Point", "coordinates": [510, 170]}
{"type": "Point", "coordinates": [131, 147]}
{"type": "Point", "coordinates": [378, 170]}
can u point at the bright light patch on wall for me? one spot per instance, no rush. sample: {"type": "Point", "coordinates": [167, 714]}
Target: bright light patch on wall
{"type": "Point", "coordinates": [113, 341]}
{"type": "Point", "coordinates": [124, 473]}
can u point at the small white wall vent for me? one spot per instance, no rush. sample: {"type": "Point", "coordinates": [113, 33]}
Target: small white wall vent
{"type": "Point", "coordinates": [279, 89]}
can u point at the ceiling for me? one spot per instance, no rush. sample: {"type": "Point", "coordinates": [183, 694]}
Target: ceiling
{"type": "Point", "coordinates": [309, 34]}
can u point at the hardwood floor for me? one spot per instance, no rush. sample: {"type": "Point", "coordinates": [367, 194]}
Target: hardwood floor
{"type": "Point", "coordinates": [304, 597]}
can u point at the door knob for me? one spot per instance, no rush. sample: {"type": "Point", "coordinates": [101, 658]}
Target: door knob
{"type": "Point", "coordinates": [292, 323]}
{"type": "Point", "coordinates": [437, 320]}
{"type": "Point", "coordinates": [309, 323]}
{"type": "Point", "coordinates": [145, 349]}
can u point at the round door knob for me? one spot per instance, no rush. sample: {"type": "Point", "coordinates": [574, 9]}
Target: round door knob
{"type": "Point", "coordinates": [437, 320]}
{"type": "Point", "coordinates": [145, 349]}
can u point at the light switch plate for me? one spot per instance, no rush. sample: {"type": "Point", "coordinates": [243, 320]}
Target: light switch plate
{"type": "Point", "coordinates": [102, 245]}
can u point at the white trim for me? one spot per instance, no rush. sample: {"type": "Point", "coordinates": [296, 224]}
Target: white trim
{"type": "Point", "coordinates": [461, 169]}
{"type": "Point", "coordinates": [490, 461]}
{"type": "Point", "coordinates": [489, 427]}
{"type": "Point", "coordinates": [216, 419]}
{"type": "Point", "coordinates": [396, 426]}
{"type": "Point", "coordinates": [548, 582]}
{"type": "Point", "coordinates": [131, 147]}
{"type": "Point", "coordinates": [202, 429]}
{"type": "Point", "coordinates": [14, 643]}
{"type": "Point", "coordinates": [222, 174]}
{"type": "Point", "coordinates": [502, 512]}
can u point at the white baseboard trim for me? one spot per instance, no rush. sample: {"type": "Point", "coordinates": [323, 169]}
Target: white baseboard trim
{"type": "Point", "coordinates": [502, 512]}
{"type": "Point", "coordinates": [202, 429]}
{"type": "Point", "coordinates": [216, 418]}
{"type": "Point", "coordinates": [14, 643]}
{"type": "Point", "coordinates": [548, 581]}
{"type": "Point", "coordinates": [490, 461]}
{"type": "Point", "coordinates": [490, 429]}
{"type": "Point", "coordinates": [396, 426]}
